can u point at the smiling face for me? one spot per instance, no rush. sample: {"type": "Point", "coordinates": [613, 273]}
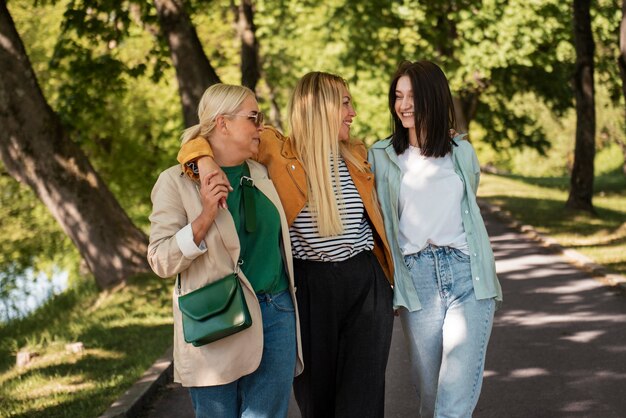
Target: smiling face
{"type": "Point", "coordinates": [405, 105]}
{"type": "Point", "coordinates": [347, 114]}
{"type": "Point", "coordinates": [423, 111]}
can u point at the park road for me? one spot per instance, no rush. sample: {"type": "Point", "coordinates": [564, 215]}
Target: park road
{"type": "Point", "coordinates": [558, 346]}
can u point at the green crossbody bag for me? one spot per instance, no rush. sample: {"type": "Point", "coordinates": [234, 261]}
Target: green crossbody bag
{"type": "Point", "coordinates": [219, 309]}
{"type": "Point", "coordinates": [214, 311]}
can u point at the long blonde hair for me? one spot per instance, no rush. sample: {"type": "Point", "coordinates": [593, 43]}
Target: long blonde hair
{"type": "Point", "coordinates": [315, 119]}
{"type": "Point", "coordinates": [217, 100]}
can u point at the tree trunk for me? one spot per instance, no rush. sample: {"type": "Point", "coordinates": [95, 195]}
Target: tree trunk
{"type": "Point", "coordinates": [193, 69]}
{"type": "Point", "coordinates": [581, 183]}
{"type": "Point", "coordinates": [274, 116]}
{"type": "Point", "coordinates": [244, 23]}
{"type": "Point", "coordinates": [621, 61]}
{"type": "Point", "coordinates": [464, 101]}
{"type": "Point", "coordinates": [36, 151]}
{"type": "Point", "coordinates": [465, 110]}
{"type": "Point", "coordinates": [462, 124]}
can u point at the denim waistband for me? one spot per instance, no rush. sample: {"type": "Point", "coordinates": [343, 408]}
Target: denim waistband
{"type": "Point", "coordinates": [431, 250]}
{"type": "Point", "coordinates": [267, 297]}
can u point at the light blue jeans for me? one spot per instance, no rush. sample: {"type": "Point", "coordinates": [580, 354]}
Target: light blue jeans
{"type": "Point", "coordinates": [265, 392]}
{"type": "Point", "coordinates": [448, 337]}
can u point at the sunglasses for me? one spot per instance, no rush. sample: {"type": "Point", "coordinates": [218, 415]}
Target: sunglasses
{"type": "Point", "coordinates": [256, 118]}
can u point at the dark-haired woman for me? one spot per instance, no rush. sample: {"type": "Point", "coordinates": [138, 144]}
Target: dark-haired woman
{"type": "Point", "coordinates": [446, 287]}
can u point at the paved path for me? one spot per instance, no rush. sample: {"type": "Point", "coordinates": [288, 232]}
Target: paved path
{"type": "Point", "coordinates": [558, 347]}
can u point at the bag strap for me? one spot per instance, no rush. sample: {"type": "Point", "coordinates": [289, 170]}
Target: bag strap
{"type": "Point", "coordinates": [249, 208]}
{"type": "Point", "coordinates": [236, 271]}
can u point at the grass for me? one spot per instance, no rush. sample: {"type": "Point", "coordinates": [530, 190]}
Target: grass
{"type": "Point", "coordinates": [123, 332]}
{"type": "Point", "coordinates": [540, 202]}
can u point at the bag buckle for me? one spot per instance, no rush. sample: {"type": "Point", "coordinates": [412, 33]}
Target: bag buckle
{"type": "Point", "coordinates": [246, 181]}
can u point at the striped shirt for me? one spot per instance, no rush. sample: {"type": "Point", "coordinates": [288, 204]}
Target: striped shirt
{"type": "Point", "coordinates": [307, 244]}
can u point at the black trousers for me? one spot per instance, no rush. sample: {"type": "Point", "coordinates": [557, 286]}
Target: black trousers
{"type": "Point", "coordinates": [346, 319]}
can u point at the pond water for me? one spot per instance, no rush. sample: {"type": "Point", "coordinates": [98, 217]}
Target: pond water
{"type": "Point", "coordinates": [31, 292]}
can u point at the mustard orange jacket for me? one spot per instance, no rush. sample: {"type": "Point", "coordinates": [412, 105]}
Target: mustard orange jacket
{"type": "Point", "coordinates": [285, 169]}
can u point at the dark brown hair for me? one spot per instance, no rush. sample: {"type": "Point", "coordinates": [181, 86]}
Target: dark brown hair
{"type": "Point", "coordinates": [433, 108]}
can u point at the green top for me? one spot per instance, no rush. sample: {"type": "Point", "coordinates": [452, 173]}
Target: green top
{"type": "Point", "coordinates": [262, 260]}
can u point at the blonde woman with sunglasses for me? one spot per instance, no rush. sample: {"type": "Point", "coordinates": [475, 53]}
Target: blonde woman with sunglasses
{"type": "Point", "coordinates": [193, 235]}
{"type": "Point", "coordinates": [342, 262]}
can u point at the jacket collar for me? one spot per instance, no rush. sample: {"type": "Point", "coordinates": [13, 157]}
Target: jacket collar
{"type": "Point", "coordinates": [388, 147]}
{"type": "Point", "coordinates": [287, 150]}
{"type": "Point", "coordinates": [391, 152]}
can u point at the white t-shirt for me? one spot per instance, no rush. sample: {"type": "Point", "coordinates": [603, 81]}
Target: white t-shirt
{"type": "Point", "coordinates": [429, 203]}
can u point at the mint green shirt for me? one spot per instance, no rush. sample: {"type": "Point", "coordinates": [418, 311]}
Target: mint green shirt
{"type": "Point", "coordinates": [388, 178]}
{"type": "Point", "coordinates": [261, 255]}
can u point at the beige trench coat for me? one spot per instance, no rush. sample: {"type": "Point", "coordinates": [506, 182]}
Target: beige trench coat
{"type": "Point", "coordinates": [176, 203]}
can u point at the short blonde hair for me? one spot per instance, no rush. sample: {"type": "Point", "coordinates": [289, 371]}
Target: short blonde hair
{"type": "Point", "coordinates": [219, 99]}
{"type": "Point", "coordinates": [315, 119]}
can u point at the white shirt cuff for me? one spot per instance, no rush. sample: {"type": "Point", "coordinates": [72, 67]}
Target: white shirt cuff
{"type": "Point", "coordinates": [184, 239]}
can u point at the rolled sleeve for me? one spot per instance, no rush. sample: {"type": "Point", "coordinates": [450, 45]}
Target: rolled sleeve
{"type": "Point", "coordinates": [184, 239]}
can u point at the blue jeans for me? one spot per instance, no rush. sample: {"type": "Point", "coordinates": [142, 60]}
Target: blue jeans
{"type": "Point", "coordinates": [448, 337]}
{"type": "Point", "coordinates": [265, 392]}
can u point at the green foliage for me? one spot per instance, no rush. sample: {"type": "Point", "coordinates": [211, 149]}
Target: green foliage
{"type": "Point", "coordinates": [559, 132]}
{"type": "Point", "coordinates": [497, 51]}
{"type": "Point", "coordinates": [94, 80]}
{"type": "Point", "coordinates": [123, 332]}
{"type": "Point", "coordinates": [606, 16]}
{"type": "Point", "coordinates": [213, 21]}
{"type": "Point", "coordinates": [109, 102]}
{"type": "Point", "coordinates": [91, 60]}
